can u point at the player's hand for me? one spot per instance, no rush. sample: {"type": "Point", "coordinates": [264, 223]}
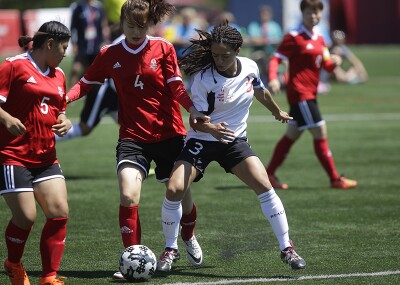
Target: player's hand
{"type": "Point", "coordinates": [15, 126]}
{"type": "Point", "coordinates": [282, 116]}
{"type": "Point", "coordinates": [337, 59]}
{"type": "Point", "coordinates": [196, 115]}
{"type": "Point", "coordinates": [275, 86]}
{"type": "Point", "coordinates": [62, 127]}
{"type": "Point", "coordinates": [222, 133]}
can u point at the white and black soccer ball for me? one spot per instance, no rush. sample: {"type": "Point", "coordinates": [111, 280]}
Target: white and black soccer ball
{"type": "Point", "coordinates": [137, 263]}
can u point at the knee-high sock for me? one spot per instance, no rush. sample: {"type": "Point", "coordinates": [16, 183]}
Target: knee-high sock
{"type": "Point", "coordinates": [52, 243]}
{"type": "Point", "coordinates": [15, 240]}
{"type": "Point", "coordinates": [281, 151]}
{"type": "Point", "coordinates": [188, 222]}
{"type": "Point", "coordinates": [273, 210]}
{"type": "Point", "coordinates": [171, 214]}
{"type": "Point", "coordinates": [129, 223]}
{"type": "Point", "coordinates": [325, 157]}
{"type": "Point", "coordinates": [74, 132]}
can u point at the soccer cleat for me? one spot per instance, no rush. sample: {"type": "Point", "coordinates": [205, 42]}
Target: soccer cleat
{"type": "Point", "coordinates": [16, 273]}
{"type": "Point", "coordinates": [51, 280]}
{"type": "Point", "coordinates": [343, 183]}
{"type": "Point", "coordinates": [289, 256]}
{"type": "Point", "coordinates": [118, 276]}
{"type": "Point", "coordinates": [167, 257]}
{"type": "Point", "coordinates": [193, 251]}
{"type": "Point", "coordinates": [276, 183]}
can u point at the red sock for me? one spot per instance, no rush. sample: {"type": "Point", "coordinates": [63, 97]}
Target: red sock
{"type": "Point", "coordinates": [188, 222]}
{"type": "Point", "coordinates": [52, 243]}
{"type": "Point", "coordinates": [325, 157]}
{"type": "Point", "coordinates": [282, 149]}
{"type": "Point", "coordinates": [15, 241]}
{"type": "Point", "coordinates": [129, 224]}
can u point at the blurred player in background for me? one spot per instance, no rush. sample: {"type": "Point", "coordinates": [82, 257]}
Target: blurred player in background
{"type": "Point", "coordinates": [150, 88]}
{"type": "Point", "coordinates": [32, 109]}
{"type": "Point", "coordinates": [306, 54]}
{"type": "Point", "coordinates": [223, 87]}
{"type": "Point", "coordinates": [352, 71]}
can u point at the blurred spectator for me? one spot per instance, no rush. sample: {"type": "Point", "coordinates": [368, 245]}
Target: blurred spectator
{"type": "Point", "coordinates": [113, 10]}
{"type": "Point", "coordinates": [265, 33]}
{"type": "Point", "coordinates": [352, 71]}
{"type": "Point", "coordinates": [89, 29]}
{"type": "Point", "coordinates": [228, 16]}
{"type": "Point", "coordinates": [184, 29]}
{"type": "Point", "coordinates": [264, 36]}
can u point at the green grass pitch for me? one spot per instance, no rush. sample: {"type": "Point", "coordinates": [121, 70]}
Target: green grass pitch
{"type": "Point", "coordinates": [339, 233]}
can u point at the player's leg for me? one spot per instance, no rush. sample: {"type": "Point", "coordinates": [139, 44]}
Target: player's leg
{"type": "Point", "coordinates": [93, 110]}
{"type": "Point", "coordinates": [188, 223]}
{"type": "Point", "coordinates": [317, 127]}
{"type": "Point", "coordinates": [182, 176]}
{"type": "Point", "coordinates": [281, 152]}
{"type": "Point", "coordinates": [252, 172]}
{"type": "Point", "coordinates": [51, 194]}
{"type": "Point", "coordinates": [17, 191]}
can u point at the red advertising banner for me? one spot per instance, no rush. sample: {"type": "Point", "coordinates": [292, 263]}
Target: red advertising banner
{"type": "Point", "coordinates": [10, 31]}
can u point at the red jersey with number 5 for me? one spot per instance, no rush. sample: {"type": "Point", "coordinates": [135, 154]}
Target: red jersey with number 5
{"type": "Point", "coordinates": [307, 53]}
{"type": "Point", "coordinates": [36, 98]}
{"type": "Point", "coordinates": [149, 86]}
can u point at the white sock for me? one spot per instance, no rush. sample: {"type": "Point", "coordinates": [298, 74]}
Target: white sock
{"type": "Point", "coordinates": [171, 214]}
{"type": "Point", "coordinates": [74, 132]}
{"type": "Point", "coordinates": [274, 211]}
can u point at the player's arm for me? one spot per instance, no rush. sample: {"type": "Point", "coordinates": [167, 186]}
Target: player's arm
{"type": "Point", "coordinates": [266, 99]}
{"type": "Point", "coordinates": [218, 130]}
{"type": "Point", "coordinates": [12, 124]}
{"type": "Point", "coordinates": [62, 126]}
{"type": "Point", "coordinates": [180, 94]}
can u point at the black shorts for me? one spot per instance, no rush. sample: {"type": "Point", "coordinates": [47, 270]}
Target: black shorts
{"type": "Point", "coordinates": [101, 100]}
{"type": "Point", "coordinates": [141, 154]}
{"type": "Point", "coordinates": [306, 115]}
{"type": "Point", "coordinates": [20, 179]}
{"type": "Point", "coordinates": [201, 153]}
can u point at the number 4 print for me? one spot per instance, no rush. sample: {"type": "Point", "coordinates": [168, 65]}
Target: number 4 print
{"type": "Point", "coordinates": [139, 83]}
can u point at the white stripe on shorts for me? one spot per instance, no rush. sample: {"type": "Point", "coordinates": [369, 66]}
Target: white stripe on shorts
{"type": "Point", "coordinates": [9, 176]}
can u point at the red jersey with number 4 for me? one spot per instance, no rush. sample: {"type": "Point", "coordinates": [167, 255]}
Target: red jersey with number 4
{"type": "Point", "coordinates": [149, 86]}
{"type": "Point", "coordinates": [307, 53]}
{"type": "Point", "coordinates": [36, 98]}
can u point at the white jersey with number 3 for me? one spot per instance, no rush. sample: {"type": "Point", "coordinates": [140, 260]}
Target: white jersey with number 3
{"type": "Point", "coordinates": [226, 99]}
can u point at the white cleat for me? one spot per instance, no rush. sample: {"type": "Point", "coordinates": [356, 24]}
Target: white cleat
{"type": "Point", "coordinates": [193, 251]}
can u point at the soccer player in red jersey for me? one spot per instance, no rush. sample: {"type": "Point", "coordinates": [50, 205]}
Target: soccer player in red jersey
{"type": "Point", "coordinates": [307, 53]}
{"type": "Point", "coordinates": [150, 88]}
{"type": "Point", "coordinates": [32, 110]}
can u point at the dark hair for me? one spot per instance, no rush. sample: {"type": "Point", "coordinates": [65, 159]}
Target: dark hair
{"type": "Point", "coordinates": [142, 11]}
{"type": "Point", "coordinates": [313, 4]}
{"type": "Point", "coordinates": [199, 52]}
{"type": "Point", "coordinates": [53, 29]}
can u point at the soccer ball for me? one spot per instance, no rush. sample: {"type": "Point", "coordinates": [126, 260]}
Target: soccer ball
{"type": "Point", "coordinates": [137, 263]}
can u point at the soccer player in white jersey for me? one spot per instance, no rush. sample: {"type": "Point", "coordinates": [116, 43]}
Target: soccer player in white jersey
{"type": "Point", "coordinates": [150, 88]}
{"type": "Point", "coordinates": [223, 87]}
{"type": "Point", "coordinates": [32, 110]}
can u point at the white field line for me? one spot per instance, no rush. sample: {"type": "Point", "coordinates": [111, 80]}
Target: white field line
{"type": "Point", "coordinates": [288, 279]}
{"type": "Point", "coordinates": [269, 119]}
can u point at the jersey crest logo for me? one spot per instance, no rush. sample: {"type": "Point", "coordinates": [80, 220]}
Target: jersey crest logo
{"type": "Point", "coordinates": [31, 80]}
{"type": "Point", "coordinates": [153, 64]}
{"type": "Point", "coordinates": [309, 46]}
{"type": "Point", "coordinates": [60, 91]}
{"type": "Point", "coordinates": [117, 65]}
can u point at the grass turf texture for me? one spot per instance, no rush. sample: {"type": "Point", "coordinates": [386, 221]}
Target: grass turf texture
{"type": "Point", "coordinates": [336, 231]}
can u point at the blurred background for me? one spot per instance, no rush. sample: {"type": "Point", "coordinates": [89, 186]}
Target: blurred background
{"type": "Point", "coordinates": [363, 21]}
